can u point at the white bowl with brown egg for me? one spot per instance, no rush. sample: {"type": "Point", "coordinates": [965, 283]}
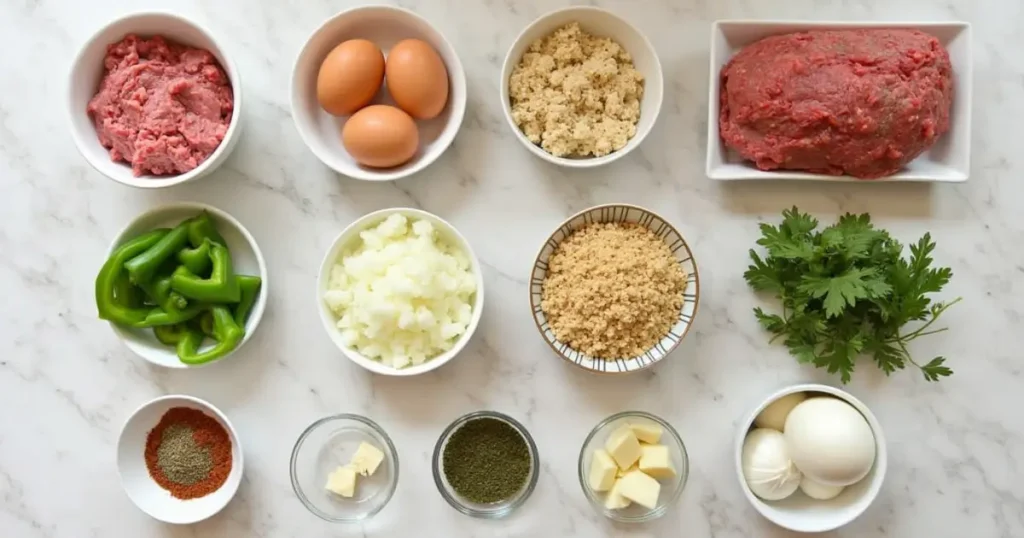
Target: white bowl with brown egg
{"type": "Point", "coordinates": [371, 132]}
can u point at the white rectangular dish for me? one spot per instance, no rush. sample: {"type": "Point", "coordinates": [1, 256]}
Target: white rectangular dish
{"type": "Point", "coordinates": [948, 160]}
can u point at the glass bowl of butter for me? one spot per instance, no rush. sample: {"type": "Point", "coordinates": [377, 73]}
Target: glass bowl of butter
{"type": "Point", "coordinates": [344, 468]}
{"type": "Point", "coordinates": [633, 467]}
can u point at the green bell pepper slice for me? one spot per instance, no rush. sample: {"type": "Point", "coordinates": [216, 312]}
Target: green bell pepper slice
{"type": "Point", "coordinates": [196, 259]}
{"type": "Point", "coordinates": [222, 285]}
{"type": "Point", "coordinates": [111, 278]}
{"type": "Point", "coordinates": [170, 335]}
{"type": "Point", "coordinates": [156, 317]}
{"type": "Point", "coordinates": [143, 267]}
{"type": "Point", "coordinates": [250, 287]}
{"type": "Point", "coordinates": [204, 323]}
{"type": "Point", "coordinates": [126, 293]}
{"type": "Point", "coordinates": [226, 332]}
{"type": "Point", "coordinates": [202, 228]}
{"type": "Point", "coordinates": [160, 293]}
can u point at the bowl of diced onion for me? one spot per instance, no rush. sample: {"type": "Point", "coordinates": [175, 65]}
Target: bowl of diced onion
{"type": "Point", "coordinates": [400, 292]}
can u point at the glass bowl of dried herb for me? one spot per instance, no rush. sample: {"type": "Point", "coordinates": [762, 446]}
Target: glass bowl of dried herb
{"type": "Point", "coordinates": [633, 466]}
{"type": "Point", "coordinates": [344, 468]}
{"type": "Point", "coordinates": [485, 464]}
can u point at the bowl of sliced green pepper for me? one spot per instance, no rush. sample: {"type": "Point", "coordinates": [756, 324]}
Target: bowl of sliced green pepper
{"type": "Point", "coordinates": [184, 285]}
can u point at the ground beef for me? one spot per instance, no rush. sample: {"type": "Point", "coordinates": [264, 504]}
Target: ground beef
{"type": "Point", "coordinates": [162, 107]}
{"type": "Point", "coordinates": [856, 102]}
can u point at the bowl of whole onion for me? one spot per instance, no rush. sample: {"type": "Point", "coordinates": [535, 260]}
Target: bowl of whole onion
{"type": "Point", "coordinates": [400, 292]}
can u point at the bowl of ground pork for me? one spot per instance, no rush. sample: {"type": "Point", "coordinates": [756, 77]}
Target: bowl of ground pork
{"type": "Point", "coordinates": [154, 101]}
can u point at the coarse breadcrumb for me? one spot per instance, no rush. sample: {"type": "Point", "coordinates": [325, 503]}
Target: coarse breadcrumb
{"type": "Point", "coordinates": [612, 290]}
{"type": "Point", "coordinates": [576, 94]}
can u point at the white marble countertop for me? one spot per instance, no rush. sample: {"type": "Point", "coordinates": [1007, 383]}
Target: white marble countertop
{"type": "Point", "coordinates": [66, 384]}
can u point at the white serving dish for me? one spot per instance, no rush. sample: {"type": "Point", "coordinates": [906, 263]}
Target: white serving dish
{"type": "Point", "coordinates": [681, 251]}
{"type": "Point", "coordinates": [949, 160]}
{"type": "Point", "coordinates": [152, 499]}
{"type": "Point", "coordinates": [87, 72]}
{"type": "Point", "coordinates": [601, 23]}
{"type": "Point", "coordinates": [798, 512]}
{"type": "Point", "coordinates": [246, 259]}
{"type": "Point", "coordinates": [351, 234]}
{"type": "Point", "coordinates": [385, 26]}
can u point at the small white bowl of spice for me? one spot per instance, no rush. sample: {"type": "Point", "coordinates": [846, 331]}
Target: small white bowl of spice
{"type": "Point", "coordinates": [179, 459]}
{"type": "Point", "coordinates": [581, 87]}
{"type": "Point", "coordinates": [614, 289]}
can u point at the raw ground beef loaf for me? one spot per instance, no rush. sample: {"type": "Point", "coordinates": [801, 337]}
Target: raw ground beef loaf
{"type": "Point", "coordinates": [856, 102]}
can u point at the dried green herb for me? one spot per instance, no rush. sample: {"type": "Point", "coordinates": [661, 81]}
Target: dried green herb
{"type": "Point", "coordinates": [180, 458]}
{"type": "Point", "coordinates": [486, 461]}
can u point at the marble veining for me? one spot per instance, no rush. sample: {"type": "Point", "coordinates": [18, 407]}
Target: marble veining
{"type": "Point", "coordinates": [67, 385]}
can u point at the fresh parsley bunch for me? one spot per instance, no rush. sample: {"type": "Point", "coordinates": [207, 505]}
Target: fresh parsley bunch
{"type": "Point", "coordinates": [847, 291]}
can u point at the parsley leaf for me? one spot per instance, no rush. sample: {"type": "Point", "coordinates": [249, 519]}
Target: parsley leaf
{"type": "Point", "coordinates": [847, 291]}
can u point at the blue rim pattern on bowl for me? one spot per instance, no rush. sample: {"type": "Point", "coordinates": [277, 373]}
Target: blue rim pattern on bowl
{"type": "Point", "coordinates": [680, 249]}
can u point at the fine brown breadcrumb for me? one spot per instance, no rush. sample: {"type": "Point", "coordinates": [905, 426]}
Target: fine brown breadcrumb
{"type": "Point", "coordinates": [576, 94]}
{"type": "Point", "coordinates": [612, 290]}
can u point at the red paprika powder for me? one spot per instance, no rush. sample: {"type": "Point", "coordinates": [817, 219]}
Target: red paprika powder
{"type": "Point", "coordinates": [188, 468]}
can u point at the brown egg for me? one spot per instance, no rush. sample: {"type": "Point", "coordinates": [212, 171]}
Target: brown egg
{"type": "Point", "coordinates": [417, 78]}
{"type": "Point", "coordinates": [349, 77]}
{"type": "Point", "coordinates": [380, 136]}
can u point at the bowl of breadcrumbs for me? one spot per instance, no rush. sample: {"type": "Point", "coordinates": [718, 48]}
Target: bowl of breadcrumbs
{"type": "Point", "coordinates": [614, 289]}
{"type": "Point", "coordinates": [581, 87]}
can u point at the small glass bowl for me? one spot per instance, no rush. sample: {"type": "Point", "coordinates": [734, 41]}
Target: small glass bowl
{"type": "Point", "coordinates": [481, 510]}
{"type": "Point", "coordinates": [329, 443]}
{"type": "Point", "coordinates": [670, 488]}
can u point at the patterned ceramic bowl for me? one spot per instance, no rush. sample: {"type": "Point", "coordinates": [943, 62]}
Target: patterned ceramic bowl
{"type": "Point", "coordinates": [679, 248]}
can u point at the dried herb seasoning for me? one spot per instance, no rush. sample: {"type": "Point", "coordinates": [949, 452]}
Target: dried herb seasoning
{"type": "Point", "coordinates": [188, 453]}
{"type": "Point", "coordinates": [486, 461]}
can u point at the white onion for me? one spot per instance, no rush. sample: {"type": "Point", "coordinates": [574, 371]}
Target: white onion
{"type": "Point", "coordinates": [403, 295]}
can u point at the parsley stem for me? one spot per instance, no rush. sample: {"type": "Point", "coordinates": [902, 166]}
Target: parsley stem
{"type": "Point", "coordinates": [921, 330]}
{"type": "Point", "coordinates": [917, 334]}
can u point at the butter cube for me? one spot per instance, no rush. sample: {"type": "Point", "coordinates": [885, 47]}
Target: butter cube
{"type": "Point", "coordinates": [623, 447]}
{"type": "Point", "coordinates": [656, 461]}
{"type": "Point", "coordinates": [602, 471]}
{"type": "Point", "coordinates": [342, 481]}
{"type": "Point", "coordinates": [614, 500]}
{"type": "Point", "coordinates": [647, 433]}
{"type": "Point", "coordinates": [640, 488]}
{"type": "Point", "coordinates": [622, 472]}
{"type": "Point", "coordinates": [366, 459]}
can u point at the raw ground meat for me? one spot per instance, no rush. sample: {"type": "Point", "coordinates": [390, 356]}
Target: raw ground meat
{"type": "Point", "coordinates": [162, 107]}
{"type": "Point", "coordinates": [858, 102]}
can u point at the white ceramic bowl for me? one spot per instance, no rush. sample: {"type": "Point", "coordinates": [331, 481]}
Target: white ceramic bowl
{"type": "Point", "coordinates": [385, 26]}
{"type": "Point", "coordinates": [799, 512]}
{"type": "Point", "coordinates": [351, 234]}
{"type": "Point", "coordinates": [949, 160]}
{"type": "Point", "coordinates": [152, 499]}
{"type": "Point", "coordinates": [246, 259]}
{"type": "Point", "coordinates": [87, 72]}
{"type": "Point", "coordinates": [601, 23]}
{"type": "Point", "coordinates": [680, 249]}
